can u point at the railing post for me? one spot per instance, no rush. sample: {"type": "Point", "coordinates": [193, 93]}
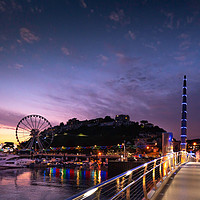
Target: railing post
{"type": "Point", "coordinates": [128, 194]}
{"type": "Point", "coordinates": [170, 164]}
{"type": "Point", "coordinates": [161, 173]}
{"type": "Point", "coordinates": [98, 193]}
{"type": "Point", "coordinates": [144, 183]}
{"type": "Point", "coordinates": [118, 185]}
{"type": "Point", "coordinates": [154, 174]}
{"type": "Point", "coordinates": [174, 160]}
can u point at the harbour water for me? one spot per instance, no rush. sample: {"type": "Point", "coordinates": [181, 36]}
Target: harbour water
{"type": "Point", "coordinates": [47, 183]}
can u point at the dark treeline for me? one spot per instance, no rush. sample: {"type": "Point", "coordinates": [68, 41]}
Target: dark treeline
{"type": "Point", "coordinates": [103, 135]}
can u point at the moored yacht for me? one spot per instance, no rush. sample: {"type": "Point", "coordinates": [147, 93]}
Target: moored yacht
{"type": "Point", "coordinates": [10, 161]}
{"type": "Point", "coordinates": [4, 157]}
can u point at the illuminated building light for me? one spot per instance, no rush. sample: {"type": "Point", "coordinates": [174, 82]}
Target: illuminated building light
{"type": "Point", "coordinates": [183, 143]}
{"type": "Point", "coordinates": [194, 143]}
{"type": "Point", "coordinates": [184, 95]}
{"type": "Point", "coordinates": [145, 165]}
{"type": "Point", "coordinates": [128, 172]}
{"type": "Point", "coordinates": [184, 103]}
{"type": "Point", "coordinates": [90, 192]}
{"type": "Point", "coordinates": [183, 135]}
{"type": "Point", "coordinates": [183, 127]}
{"type": "Point", "coordinates": [185, 87]}
{"type": "Point", "coordinates": [183, 119]}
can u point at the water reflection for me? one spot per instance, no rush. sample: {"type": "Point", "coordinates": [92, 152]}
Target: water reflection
{"type": "Point", "coordinates": [47, 183]}
{"type": "Point", "coordinates": [78, 176]}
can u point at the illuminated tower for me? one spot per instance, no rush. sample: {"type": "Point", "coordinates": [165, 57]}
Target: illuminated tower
{"type": "Point", "coordinates": [184, 117]}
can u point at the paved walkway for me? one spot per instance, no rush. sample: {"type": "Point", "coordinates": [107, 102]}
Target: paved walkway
{"type": "Point", "coordinates": [185, 185]}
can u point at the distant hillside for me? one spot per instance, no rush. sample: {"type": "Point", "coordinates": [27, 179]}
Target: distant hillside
{"type": "Point", "coordinates": [102, 132]}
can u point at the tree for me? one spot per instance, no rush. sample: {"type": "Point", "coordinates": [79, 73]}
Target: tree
{"type": "Point", "coordinates": [108, 119]}
{"type": "Point", "coordinates": [61, 124]}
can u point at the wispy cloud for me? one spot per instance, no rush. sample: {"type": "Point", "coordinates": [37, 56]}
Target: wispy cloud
{"type": "Point", "coordinates": [131, 35]}
{"type": "Point", "coordinates": [8, 118]}
{"type": "Point", "coordinates": [28, 36]}
{"type": "Point", "coordinates": [127, 61]}
{"type": "Point", "coordinates": [83, 4]}
{"type": "Point", "coordinates": [19, 66]}
{"type": "Point", "coordinates": [104, 59]}
{"type": "Point", "coordinates": [190, 19]}
{"type": "Point", "coordinates": [183, 36]}
{"type": "Point", "coordinates": [169, 22]}
{"type": "Point", "coordinates": [16, 6]}
{"type": "Point", "coordinates": [184, 45]}
{"type": "Point", "coordinates": [151, 46]}
{"type": "Point", "coordinates": [180, 58]}
{"type": "Point", "coordinates": [65, 51]}
{"type": "Point", "coordinates": [7, 127]}
{"type": "Point", "coordinates": [2, 6]}
{"type": "Point", "coordinates": [119, 16]}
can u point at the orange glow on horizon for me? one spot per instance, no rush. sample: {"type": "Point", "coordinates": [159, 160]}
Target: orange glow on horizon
{"type": "Point", "coordinates": [7, 134]}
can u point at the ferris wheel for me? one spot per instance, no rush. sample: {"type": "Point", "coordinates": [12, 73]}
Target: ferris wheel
{"type": "Point", "coordinates": [34, 132]}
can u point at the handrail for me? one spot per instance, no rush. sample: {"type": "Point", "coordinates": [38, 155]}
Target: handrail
{"type": "Point", "coordinates": [137, 182]}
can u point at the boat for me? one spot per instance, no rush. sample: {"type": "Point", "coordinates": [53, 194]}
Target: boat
{"type": "Point", "coordinates": [4, 157]}
{"type": "Point", "coordinates": [14, 161]}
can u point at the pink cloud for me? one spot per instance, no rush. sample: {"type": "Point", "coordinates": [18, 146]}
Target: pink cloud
{"type": "Point", "coordinates": [65, 51]}
{"type": "Point", "coordinates": [83, 4]}
{"type": "Point", "coordinates": [180, 58]}
{"type": "Point", "coordinates": [28, 36]}
{"type": "Point", "coordinates": [117, 16]}
{"type": "Point", "coordinates": [131, 35]}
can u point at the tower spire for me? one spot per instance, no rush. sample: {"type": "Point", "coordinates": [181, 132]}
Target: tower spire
{"type": "Point", "coordinates": [184, 116]}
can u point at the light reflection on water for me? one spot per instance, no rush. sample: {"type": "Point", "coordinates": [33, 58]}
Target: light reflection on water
{"type": "Point", "coordinates": [48, 183]}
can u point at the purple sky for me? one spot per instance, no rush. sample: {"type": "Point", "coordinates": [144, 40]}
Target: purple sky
{"type": "Point", "coordinates": [87, 59]}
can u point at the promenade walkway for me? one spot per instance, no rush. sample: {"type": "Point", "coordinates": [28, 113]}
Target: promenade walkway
{"type": "Point", "coordinates": [185, 185]}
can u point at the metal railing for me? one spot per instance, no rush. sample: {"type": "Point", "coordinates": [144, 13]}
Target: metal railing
{"type": "Point", "coordinates": [138, 183]}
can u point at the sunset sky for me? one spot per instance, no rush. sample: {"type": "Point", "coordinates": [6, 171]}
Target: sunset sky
{"type": "Point", "coordinates": [92, 58]}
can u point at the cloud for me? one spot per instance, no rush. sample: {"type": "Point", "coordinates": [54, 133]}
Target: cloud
{"type": "Point", "coordinates": [127, 61]}
{"type": "Point", "coordinates": [103, 59]}
{"type": "Point", "coordinates": [7, 127]}
{"type": "Point", "coordinates": [131, 35]}
{"type": "Point", "coordinates": [65, 51]}
{"type": "Point", "coordinates": [117, 16]}
{"type": "Point", "coordinates": [1, 49]}
{"type": "Point", "coordinates": [28, 36]}
{"type": "Point", "coordinates": [180, 58]}
{"type": "Point", "coordinates": [9, 118]}
{"type": "Point", "coordinates": [2, 6]}
{"type": "Point", "coordinates": [170, 19]}
{"type": "Point", "coordinates": [150, 46]}
{"type": "Point", "coordinates": [16, 6]}
{"type": "Point", "coordinates": [183, 36]}
{"type": "Point", "coordinates": [18, 66]}
{"type": "Point", "coordinates": [83, 4]}
{"type": "Point", "coordinates": [190, 19]}
{"type": "Point", "coordinates": [184, 45]}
